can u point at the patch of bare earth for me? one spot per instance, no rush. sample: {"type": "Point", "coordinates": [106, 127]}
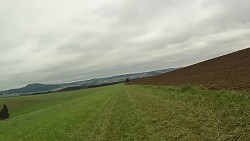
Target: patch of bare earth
{"type": "Point", "coordinates": [231, 71]}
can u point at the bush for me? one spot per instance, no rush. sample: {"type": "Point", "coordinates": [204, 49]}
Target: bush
{"type": "Point", "coordinates": [4, 113]}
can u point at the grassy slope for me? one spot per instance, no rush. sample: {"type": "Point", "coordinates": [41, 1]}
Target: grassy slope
{"type": "Point", "coordinates": [26, 104]}
{"type": "Point", "coordinates": [130, 113]}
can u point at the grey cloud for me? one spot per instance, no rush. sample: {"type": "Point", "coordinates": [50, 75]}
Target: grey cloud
{"type": "Point", "coordinates": [60, 41]}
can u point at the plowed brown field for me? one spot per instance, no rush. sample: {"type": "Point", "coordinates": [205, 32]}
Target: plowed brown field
{"type": "Point", "coordinates": [231, 71]}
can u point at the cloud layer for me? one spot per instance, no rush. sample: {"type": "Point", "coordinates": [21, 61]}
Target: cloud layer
{"type": "Point", "coordinates": [53, 41]}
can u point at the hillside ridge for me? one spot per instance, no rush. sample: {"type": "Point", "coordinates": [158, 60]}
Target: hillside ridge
{"type": "Point", "coordinates": [230, 71]}
{"type": "Point", "coordinates": [39, 87]}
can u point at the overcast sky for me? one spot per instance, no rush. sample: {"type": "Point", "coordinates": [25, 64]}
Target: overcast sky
{"type": "Point", "coordinates": [54, 41]}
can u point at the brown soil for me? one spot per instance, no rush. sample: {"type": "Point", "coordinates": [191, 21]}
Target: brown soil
{"type": "Point", "coordinates": [231, 71]}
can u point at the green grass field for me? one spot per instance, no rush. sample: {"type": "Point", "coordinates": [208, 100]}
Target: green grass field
{"type": "Point", "coordinates": [129, 112]}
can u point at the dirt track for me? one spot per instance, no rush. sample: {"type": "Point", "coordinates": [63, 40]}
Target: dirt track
{"type": "Point", "coordinates": [230, 71]}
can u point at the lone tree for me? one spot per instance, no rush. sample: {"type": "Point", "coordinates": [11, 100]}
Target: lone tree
{"type": "Point", "coordinates": [4, 114]}
{"type": "Point", "coordinates": [127, 80]}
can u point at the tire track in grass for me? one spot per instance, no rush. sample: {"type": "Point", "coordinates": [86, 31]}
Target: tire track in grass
{"type": "Point", "coordinates": [126, 122]}
{"type": "Point", "coordinates": [94, 127]}
{"type": "Point", "coordinates": [116, 119]}
{"type": "Point", "coordinates": [149, 130]}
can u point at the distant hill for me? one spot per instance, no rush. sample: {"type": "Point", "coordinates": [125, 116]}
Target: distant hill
{"type": "Point", "coordinates": [230, 71]}
{"type": "Point", "coordinates": [38, 87]}
{"type": "Point", "coordinates": [31, 88]}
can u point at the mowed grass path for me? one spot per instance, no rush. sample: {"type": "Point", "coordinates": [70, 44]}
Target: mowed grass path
{"type": "Point", "coordinates": [122, 112]}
